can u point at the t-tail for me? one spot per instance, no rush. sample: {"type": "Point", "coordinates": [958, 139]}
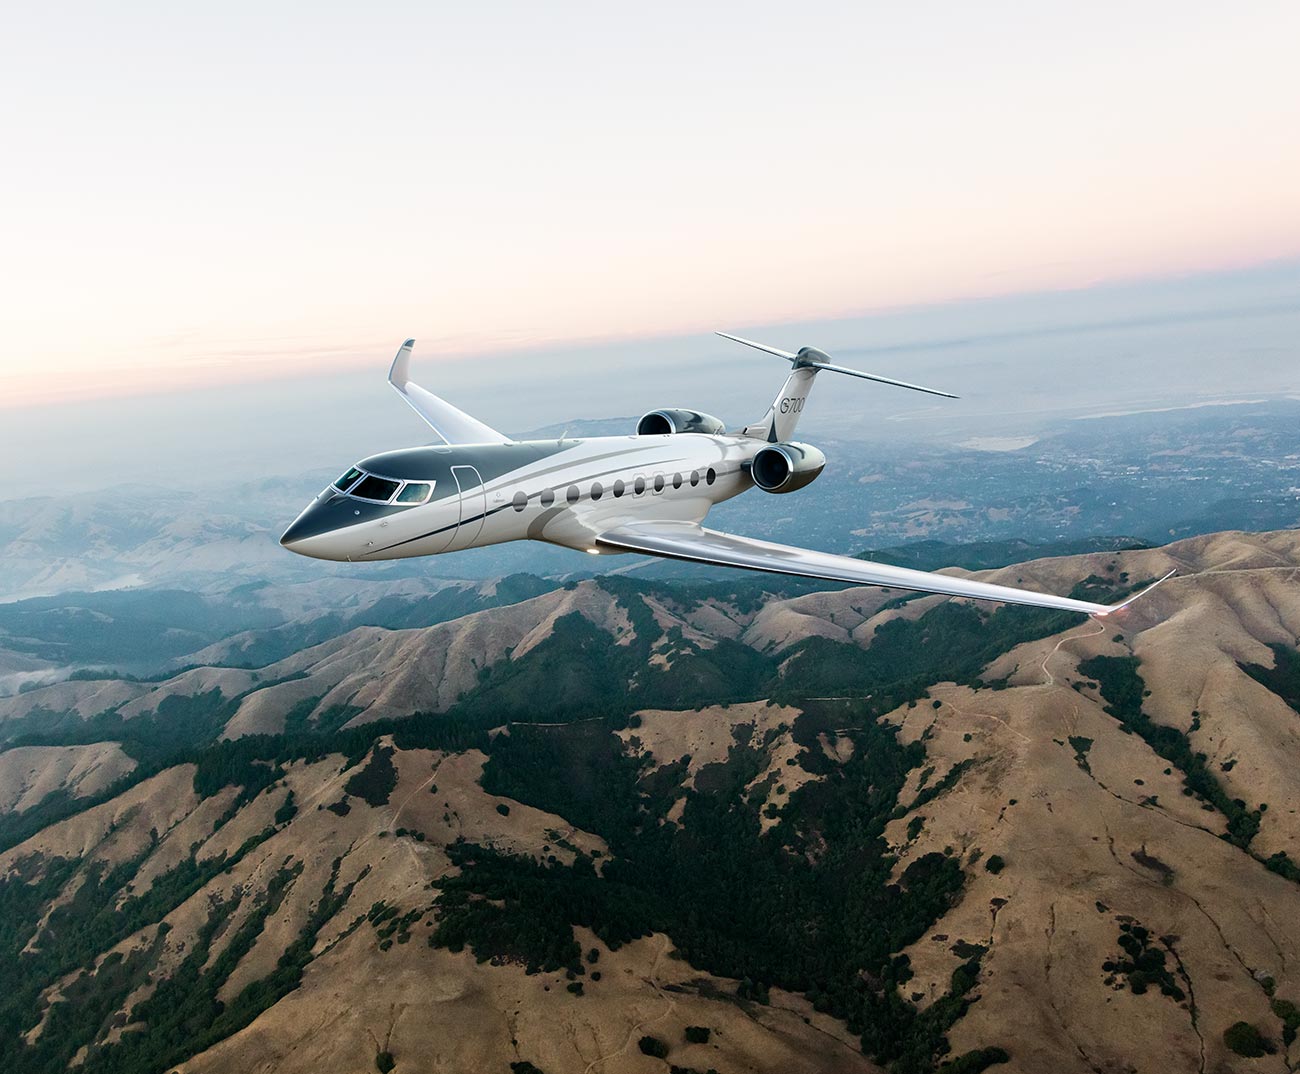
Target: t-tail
{"type": "Point", "coordinates": [778, 424]}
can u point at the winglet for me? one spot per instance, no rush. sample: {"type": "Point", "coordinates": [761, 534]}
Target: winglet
{"type": "Point", "coordinates": [400, 372]}
{"type": "Point", "coordinates": [449, 422]}
{"type": "Point", "coordinates": [1136, 596]}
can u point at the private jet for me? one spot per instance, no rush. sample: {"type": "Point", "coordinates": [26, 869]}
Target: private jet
{"type": "Point", "coordinates": [646, 493]}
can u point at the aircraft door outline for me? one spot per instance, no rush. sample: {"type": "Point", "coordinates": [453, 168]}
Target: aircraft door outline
{"type": "Point", "coordinates": [473, 506]}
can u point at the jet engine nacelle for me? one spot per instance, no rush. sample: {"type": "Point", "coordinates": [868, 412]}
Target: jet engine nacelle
{"type": "Point", "coordinates": [662, 422]}
{"type": "Point", "coordinates": [786, 467]}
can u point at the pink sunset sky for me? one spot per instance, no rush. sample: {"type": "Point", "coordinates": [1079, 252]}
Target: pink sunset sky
{"type": "Point", "coordinates": [203, 196]}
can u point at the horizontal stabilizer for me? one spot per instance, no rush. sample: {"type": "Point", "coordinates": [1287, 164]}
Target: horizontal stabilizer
{"type": "Point", "coordinates": [688, 541]}
{"type": "Point", "coordinates": [811, 358]}
{"type": "Point", "coordinates": [452, 424]}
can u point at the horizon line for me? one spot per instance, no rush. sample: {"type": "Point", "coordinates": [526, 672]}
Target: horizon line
{"type": "Point", "coordinates": [168, 379]}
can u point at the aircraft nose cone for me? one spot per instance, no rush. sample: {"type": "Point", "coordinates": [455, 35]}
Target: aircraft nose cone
{"type": "Point", "coordinates": [332, 527]}
{"type": "Point", "coordinates": [296, 532]}
{"type": "Point", "coordinates": [302, 534]}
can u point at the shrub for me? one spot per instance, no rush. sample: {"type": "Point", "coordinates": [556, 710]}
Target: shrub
{"type": "Point", "coordinates": [287, 811]}
{"type": "Point", "coordinates": [374, 783]}
{"type": "Point", "coordinates": [995, 864]}
{"type": "Point", "coordinates": [1244, 1039]}
{"type": "Point", "coordinates": [976, 1061]}
{"type": "Point", "coordinates": [697, 1034]}
{"type": "Point", "coordinates": [653, 1046]}
{"type": "Point", "coordinates": [384, 1062]}
{"type": "Point", "coordinates": [1290, 1015]}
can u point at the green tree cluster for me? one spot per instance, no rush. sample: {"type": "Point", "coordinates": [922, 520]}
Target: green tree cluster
{"type": "Point", "coordinates": [1123, 689]}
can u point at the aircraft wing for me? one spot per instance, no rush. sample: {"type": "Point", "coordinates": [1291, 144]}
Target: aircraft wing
{"type": "Point", "coordinates": [688, 541]}
{"type": "Point", "coordinates": [449, 422]}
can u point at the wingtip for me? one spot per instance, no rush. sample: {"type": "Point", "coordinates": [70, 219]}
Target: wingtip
{"type": "Point", "coordinates": [758, 346]}
{"type": "Point", "coordinates": [399, 371]}
{"type": "Point", "coordinates": [1135, 597]}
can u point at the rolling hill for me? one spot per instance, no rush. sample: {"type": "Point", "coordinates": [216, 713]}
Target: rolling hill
{"type": "Point", "coordinates": [623, 825]}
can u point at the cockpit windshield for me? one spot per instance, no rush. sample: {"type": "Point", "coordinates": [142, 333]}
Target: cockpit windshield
{"type": "Point", "coordinates": [344, 482]}
{"type": "Point", "coordinates": [414, 492]}
{"type": "Point", "coordinates": [362, 484]}
{"type": "Point", "coordinates": [371, 487]}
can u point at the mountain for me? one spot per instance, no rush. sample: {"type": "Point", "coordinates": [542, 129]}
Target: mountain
{"type": "Point", "coordinates": [629, 825]}
{"type": "Point", "coordinates": [145, 631]}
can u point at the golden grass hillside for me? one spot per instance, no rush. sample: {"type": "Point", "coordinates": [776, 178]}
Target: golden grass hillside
{"type": "Point", "coordinates": [1114, 803]}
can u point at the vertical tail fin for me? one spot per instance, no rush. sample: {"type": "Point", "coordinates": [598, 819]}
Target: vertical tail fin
{"type": "Point", "coordinates": [782, 416]}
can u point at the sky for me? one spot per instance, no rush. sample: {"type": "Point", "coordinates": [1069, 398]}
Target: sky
{"type": "Point", "coordinates": [1020, 364]}
{"type": "Point", "coordinates": [206, 197]}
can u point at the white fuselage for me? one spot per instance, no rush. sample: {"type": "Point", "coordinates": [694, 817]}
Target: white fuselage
{"type": "Point", "coordinates": [565, 492]}
{"type": "Point", "coordinates": [646, 493]}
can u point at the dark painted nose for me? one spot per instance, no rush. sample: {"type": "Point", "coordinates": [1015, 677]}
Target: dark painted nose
{"type": "Point", "coordinates": [295, 533]}
{"type": "Point", "coordinates": [327, 528]}
{"type": "Point", "coordinates": [313, 522]}
{"type": "Point", "coordinates": [299, 529]}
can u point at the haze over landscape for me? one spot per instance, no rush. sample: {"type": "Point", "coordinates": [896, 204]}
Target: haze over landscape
{"type": "Point", "coordinates": [1017, 363]}
{"type": "Point", "coordinates": [520, 811]}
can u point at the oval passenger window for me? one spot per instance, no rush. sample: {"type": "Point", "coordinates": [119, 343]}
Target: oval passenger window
{"type": "Point", "coordinates": [520, 501]}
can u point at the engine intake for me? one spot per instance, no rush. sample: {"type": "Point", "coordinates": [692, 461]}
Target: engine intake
{"type": "Point", "coordinates": [663, 422]}
{"type": "Point", "coordinates": [786, 467]}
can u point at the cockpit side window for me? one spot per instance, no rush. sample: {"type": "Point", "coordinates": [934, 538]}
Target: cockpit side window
{"type": "Point", "coordinates": [371, 487]}
{"type": "Point", "coordinates": [414, 492]}
{"type": "Point", "coordinates": [343, 482]}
